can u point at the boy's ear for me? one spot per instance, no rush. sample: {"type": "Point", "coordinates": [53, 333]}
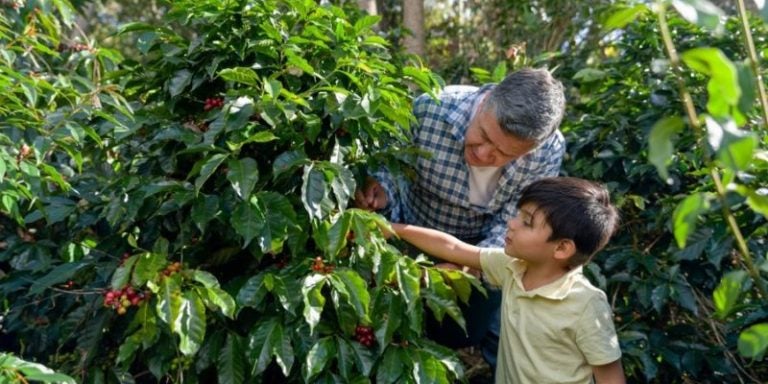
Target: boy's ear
{"type": "Point", "coordinates": [564, 249]}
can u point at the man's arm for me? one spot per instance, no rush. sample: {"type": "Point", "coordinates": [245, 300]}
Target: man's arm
{"type": "Point", "coordinates": [440, 244]}
{"type": "Point", "coordinates": [612, 373]}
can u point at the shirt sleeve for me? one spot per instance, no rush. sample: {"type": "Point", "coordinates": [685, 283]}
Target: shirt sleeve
{"type": "Point", "coordinates": [596, 335]}
{"type": "Point", "coordinates": [494, 262]}
{"type": "Point", "coordinates": [548, 158]}
{"type": "Point", "coordinates": [394, 185]}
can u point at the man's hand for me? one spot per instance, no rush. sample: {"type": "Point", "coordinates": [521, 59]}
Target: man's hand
{"type": "Point", "coordinates": [371, 197]}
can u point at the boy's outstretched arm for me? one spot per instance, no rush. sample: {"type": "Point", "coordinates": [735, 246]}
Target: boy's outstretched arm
{"type": "Point", "coordinates": [611, 373]}
{"type": "Point", "coordinates": [439, 244]}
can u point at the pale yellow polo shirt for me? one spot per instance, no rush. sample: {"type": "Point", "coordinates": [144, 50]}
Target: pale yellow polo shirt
{"type": "Point", "coordinates": [554, 333]}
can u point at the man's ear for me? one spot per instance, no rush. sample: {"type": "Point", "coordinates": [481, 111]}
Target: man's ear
{"type": "Point", "coordinates": [564, 249]}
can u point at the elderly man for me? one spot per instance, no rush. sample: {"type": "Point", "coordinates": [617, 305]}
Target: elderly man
{"type": "Point", "coordinates": [486, 145]}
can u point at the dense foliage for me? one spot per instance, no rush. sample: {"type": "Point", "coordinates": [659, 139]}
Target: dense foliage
{"type": "Point", "coordinates": [684, 304]}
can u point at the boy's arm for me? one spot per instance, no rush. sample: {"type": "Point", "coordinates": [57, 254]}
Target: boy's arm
{"type": "Point", "coordinates": [611, 373]}
{"type": "Point", "coordinates": [439, 244]}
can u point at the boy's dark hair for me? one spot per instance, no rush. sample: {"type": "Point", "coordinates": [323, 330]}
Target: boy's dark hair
{"type": "Point", "coordinates": [575, 209]}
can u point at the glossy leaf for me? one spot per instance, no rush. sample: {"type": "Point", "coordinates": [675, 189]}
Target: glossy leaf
{"type": "Point", "coordinates": [622, 16]}
{"type": "Point", "coordinates": [313, 299]}
{"type": "Point", "coordinates": [207, 167]}
{"type": "Point", "coordinates": [726, 295]}
{"type": "Point", "coordinates": [318, 357]}
{"type": "Point", "coordinates": [734, 147]}
{"type": "Point", "coordinates": [231, 364]}
{"type": "Point", "coordinates": [686, 216]}
{"type": "Point", "coordinates": [660, 143]}
{"type": "Point", "coordinates": [753, 341]}
{"type": "Point", "coordinates": [723, 86]}
{"type": "Point", "coordinates": [243, 175]}
{"type": "Point", "coordinates": [702, 13]}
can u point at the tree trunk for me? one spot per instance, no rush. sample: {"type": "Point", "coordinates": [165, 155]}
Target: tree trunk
{"type": "Point", "coordinates": [368, 6]}
{"type": "Point", "coordinates": [413, 20]}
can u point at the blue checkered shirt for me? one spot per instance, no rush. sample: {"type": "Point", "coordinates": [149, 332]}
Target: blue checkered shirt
{"type": "Point", "coordinates": [438, 197]}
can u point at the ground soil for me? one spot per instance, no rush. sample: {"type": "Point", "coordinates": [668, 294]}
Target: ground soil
{"type": "Point", "coordinates": [478, 371]}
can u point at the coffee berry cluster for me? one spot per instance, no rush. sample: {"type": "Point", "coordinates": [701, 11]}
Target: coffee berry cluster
{"type": "Point", "coordinates": [364, 335]}
{"type": "Point", "coordinates": [213, 102]}
{"type": "Point", "coordinates": [121, 299]}
{"type": "Point", "coordinates": [319, 266]}
{"type": "Point", "coordinates": [172, 268]}
{"type": "Point", "coordinates": [75, 47]}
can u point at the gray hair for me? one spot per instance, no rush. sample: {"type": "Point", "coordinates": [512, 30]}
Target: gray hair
{"type": "Point", "coordinates": [528, 104]}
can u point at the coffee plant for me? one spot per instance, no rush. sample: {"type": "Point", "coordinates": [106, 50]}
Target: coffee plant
{"type": "Point", "coordinates": [183, 216]}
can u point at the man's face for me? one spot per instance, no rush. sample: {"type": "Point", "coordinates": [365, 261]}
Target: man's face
{"type": "Point", "coordinates": [487, 145]}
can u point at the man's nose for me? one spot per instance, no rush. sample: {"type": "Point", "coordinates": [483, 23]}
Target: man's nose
{"type": "Point", "coordinates": [485, 153]}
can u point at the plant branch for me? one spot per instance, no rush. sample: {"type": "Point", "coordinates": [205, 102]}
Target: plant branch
{"type": "Point", "coordinates": [753, 60]}
{"type": "Point", "coordinates": [713, 171]}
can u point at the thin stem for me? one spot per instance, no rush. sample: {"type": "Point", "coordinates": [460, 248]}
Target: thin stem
{"type": "Point", "coordinates": [713, 172]}
{"type": "Point", "coordinates": [753, 61]}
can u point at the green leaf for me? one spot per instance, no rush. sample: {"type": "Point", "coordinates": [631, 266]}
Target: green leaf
{"type": "Point", "coordinates": [122, 275]}
{"type": "Point", "coordinates": [204, 209]}
{"type": "Point", "coordinates": [231, 362]}
{"type": "Point", "coordinates": [314, 193]}
{"type": "Point", "coordinates": [727, 294]}
{"type": "Point", "coordinates": [753, 341]}
{"type": "Point", "coordinates": [623, 16]}
{"type": "Point", "coordinates": [287, 161]}
{"type": "Point", "coordinates": [179, 82]}
{"type": "Point", "coordinates": [299, 62]}
{"type": "Point", "coordinates": [66, 11]}
{"type": "Point", "coordinates": [207, 168]}
{"type": "Point", "coordinates": [757, 200]}
{"type": "Point", "coordinates": [343, 185]}
{"type": "Point", "coordinates": [57, 275]}
{"type": "Point", "coordinates": [169, 301]}
{"type": "Point", "coordinates": [355, 291]}
{"type": "Point", "coordinates": [394, 364]}
{"type": "Point", "coordinates": [31, 371]}
{"type": "Point", "coordinates": [687, 214]}
{"type": "Point", "coordinates": [588, 75]}
{"type": "Point", "coordinates": [660, 146]}
{"type": "Point", "coordinates": [148, 265]}
{"type": "Point", "coordinates": [337, 236]}
{"type": "Point", "coordinates": [318, 357]}
{"type": "Point", "coordinates": [282, 350]}
{"type": "Point", "coordinates": [702, 13]}
{"type": "Point", "coordinates": [408, 274]}
{"type": "Point", "coordinates": [366, 22]}
{"type": "Point", "coordinates": [723, 86]}
{"type": "Point", "coordinates": [428, 369]}
{"type": "Point", "coordinates": [313, 298]}
{"type": "Point", "coordinates": [243, 175]}
{"type": "Point", "coordinates": [734, 147]}
{"type": "Point", "coordinates": [253, 291]}
{"type": "Point", "coordinates": [248, 219]}
{"type": "Point", "coordinates": [241, 75]}
{"type": "Point", "coordinates": [190, 324]}
{"type": "Point", "coordinates": [260, 344]}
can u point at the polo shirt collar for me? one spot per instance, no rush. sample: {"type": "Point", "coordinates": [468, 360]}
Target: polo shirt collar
{"type": "Point", "coordinates": [556, 290]}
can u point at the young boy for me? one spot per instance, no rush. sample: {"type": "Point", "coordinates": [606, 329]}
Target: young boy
{"type": "Point", "coordinates": [556, 327]}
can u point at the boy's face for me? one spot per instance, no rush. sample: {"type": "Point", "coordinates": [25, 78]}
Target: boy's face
{"type": "Point", "coordinates": [527, 236]}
